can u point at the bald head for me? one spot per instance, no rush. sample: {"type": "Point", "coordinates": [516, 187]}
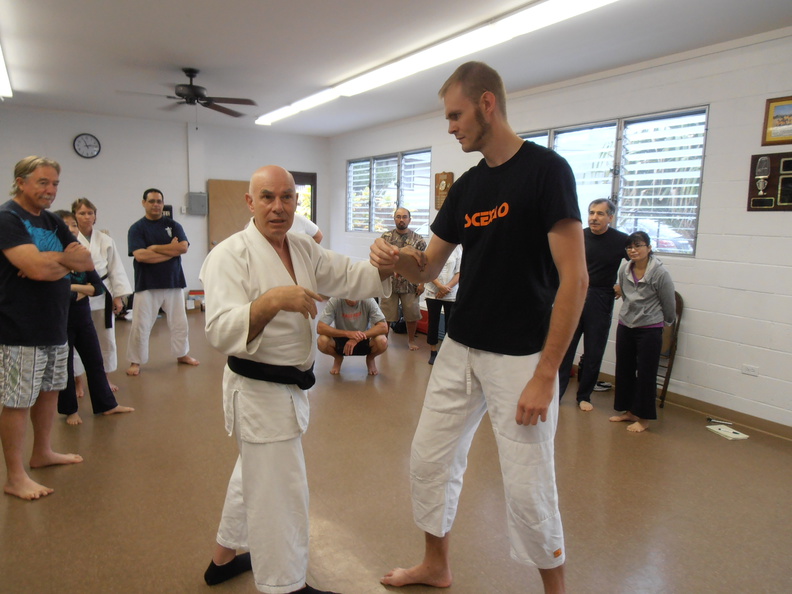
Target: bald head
{"type": "Point", "coordinates": [272, 198]}
{"type": "Point", "coordinates": [267, 175]}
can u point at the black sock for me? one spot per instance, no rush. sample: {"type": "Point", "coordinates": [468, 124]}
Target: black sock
{"type": "Point", "coordinates": [217, 574]}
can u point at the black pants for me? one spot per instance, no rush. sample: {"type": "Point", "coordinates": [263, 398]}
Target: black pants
{"type": "Point", "coordinates": [637, 359]}
{"type": "Point", "coordinates": [433, 307]}
{"type": "Point", "coordinates": [82, 336]}
{"type": "Point", "coordinates": [594, 326]}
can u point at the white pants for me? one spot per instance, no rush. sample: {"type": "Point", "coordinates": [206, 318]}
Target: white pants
{"type": "Point", "coordinates": [145, 308]}
{"type": "Point", "coordinates": [266, 505]}
{"type": "Point", "coordinates": [466, 383]}
{"type": "Point", "coordinates": [107, 340]}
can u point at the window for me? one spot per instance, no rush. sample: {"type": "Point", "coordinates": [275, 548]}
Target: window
{"type": "Point", "coordinates": [379, 185]}
{"type": "Point", "coordinates": [590, 153]}
{"type": "Point", "coordinates": [650, 166]}
{"type": "Point", "coordinates": [305, 184]}
{"type": "Point", "coordinates": [660, 181]}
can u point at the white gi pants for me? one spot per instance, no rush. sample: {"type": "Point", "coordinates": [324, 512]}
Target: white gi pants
{"type": "Point", "coordinates": [145, 308]}
{"type": "Point", "coordinates": [266, 505]}
{"type": "Point", "coordinates": [107, 340]}
{"type": "Point", "coordinates": [466, 383]}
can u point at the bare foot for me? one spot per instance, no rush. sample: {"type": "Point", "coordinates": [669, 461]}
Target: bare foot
{"type": "Point", "coordinates": [113, 387]}
{"type": "Point", "coordinates": [134, 369]}
{"type": "Point", "coordinates": [74, 419]}
{"type": "Point", "coordinates": [27, 489]}
{"type": "Point", "coordinates": [119, 409]}
{"type": "Point", "coordinates": [372, 366]}
{"type": "Point", "coordinates": [54, 459]}
{"type": "Point", "coordinates": [420, 574]}
{"type": "Point", "coordinates": [412, 345]}
{"type": "Point", "coordinates": [627, 416]}
{"type": "Point", "coordinates": [79, 389]}
{"type": "Point", "coordinates": [638, 426]}
{"type": "Point", "coordinates": [336, 368]}
{"type": "Point", "coordinates": [187, 360]}
{"type": "Point", "coordinates": [585, 406]}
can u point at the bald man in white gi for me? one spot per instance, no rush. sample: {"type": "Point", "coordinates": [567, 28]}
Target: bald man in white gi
{"type": "Point", "coordinates": [262, 285]}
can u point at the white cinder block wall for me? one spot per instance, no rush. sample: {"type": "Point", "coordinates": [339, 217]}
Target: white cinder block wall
{"type": "Point", "coordinates": [737, 288]}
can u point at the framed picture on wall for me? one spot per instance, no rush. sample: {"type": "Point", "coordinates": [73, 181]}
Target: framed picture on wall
{"type": "Point", "coordinates": [777, 122]}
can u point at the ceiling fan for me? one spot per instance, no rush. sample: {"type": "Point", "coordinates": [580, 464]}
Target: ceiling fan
{"type": "Point", "coordinates": [191, 94]}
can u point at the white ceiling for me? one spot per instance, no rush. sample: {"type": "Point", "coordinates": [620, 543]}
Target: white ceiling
{"type": "Point", "coordinates": [115, 57]}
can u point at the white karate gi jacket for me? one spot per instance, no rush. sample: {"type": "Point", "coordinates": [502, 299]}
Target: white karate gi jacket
{"type": "Point", "coordinates": [107, 260]}
{"type": "Point", "coordinates": [245, 266]}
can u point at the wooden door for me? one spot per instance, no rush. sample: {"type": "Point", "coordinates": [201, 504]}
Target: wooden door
{"type": "Point", "coordinates": [228, 210]}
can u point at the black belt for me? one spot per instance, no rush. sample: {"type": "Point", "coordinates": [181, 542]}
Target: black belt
{"type": "Point", "coordinates": [279, 374]}
{"type": "Point", "coordinates": [108, 306]}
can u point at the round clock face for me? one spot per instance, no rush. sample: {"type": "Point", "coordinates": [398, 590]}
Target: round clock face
{"type": "Point", "coordinates": [87, 145]}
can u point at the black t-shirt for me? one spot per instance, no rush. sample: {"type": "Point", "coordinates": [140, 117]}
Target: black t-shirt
{"type": "Point", "coordinates": [604, 255]}
{"type": "Point", "coordinates": [162, 275]}
{"type": "Point", "coordinates": [32, 313]}
{"type": "Point", "coordinates": [501, 216]}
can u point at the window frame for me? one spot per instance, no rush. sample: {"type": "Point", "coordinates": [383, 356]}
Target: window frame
{"type": "Point", "coordinates": [400, 188]}
{"type": "Point", "coordinates": [617, 167]}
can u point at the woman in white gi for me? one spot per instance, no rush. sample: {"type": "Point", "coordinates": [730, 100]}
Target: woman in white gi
{"type": "Point", "coordinates": [110, 268]}
{"type": "Point", "coordinates": [261, 287]}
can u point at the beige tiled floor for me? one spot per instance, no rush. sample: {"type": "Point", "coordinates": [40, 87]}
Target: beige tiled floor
{"type": "Point", "coordinates": [674, 510]}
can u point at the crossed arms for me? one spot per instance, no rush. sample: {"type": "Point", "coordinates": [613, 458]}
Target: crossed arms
{"type": "Point", "coordinates": [154, 254]}
{"type": "Point", "coordinates": [49, 266]}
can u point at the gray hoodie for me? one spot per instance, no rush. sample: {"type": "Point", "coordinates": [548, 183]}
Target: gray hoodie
{"type": "Point", "coordinates": [649, 301]}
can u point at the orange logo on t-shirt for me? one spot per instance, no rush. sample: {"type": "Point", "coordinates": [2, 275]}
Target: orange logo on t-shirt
{"type": "Point", "coordinates": [485, 217]}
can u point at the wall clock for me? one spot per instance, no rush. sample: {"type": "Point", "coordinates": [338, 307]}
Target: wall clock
{"type": "Point", "coordinates": [87, 145]}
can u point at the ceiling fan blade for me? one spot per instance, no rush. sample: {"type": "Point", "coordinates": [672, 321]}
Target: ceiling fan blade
{"type": "Point", "coordinates": [173, 106]}
{"type": "Point", "coordinates": [234, 100]}
{"type": "Point", "coordinates": [222, 109]}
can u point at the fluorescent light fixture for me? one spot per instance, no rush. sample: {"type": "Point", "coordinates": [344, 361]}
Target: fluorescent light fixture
{"type": "Point", "coordinates": [5, 82]}
{"type": "Point", "coordinates": [298, 106]}
{"type": "Point", "coordinates": [533, 18]}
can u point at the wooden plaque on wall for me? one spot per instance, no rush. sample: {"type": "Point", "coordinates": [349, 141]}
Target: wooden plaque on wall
{"type": "Point", "coordinates": [443, 183]}
{"type": "Point", "coordinates": [770, 182]}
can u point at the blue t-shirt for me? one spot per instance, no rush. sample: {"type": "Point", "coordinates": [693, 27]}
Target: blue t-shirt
{"type": "Point", "coordinates": [163, 275]}
{"type": "Point", "coordinates": [501, 216]}
{"type": "Point", "coordinates": [32, 313]}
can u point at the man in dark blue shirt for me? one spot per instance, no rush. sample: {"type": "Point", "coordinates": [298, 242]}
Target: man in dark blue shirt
{"type": "Point", "coordinates": [157, 243]}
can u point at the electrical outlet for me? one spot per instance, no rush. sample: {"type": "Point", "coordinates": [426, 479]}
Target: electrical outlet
{"type": "Point", "coordinates": [750, 370]}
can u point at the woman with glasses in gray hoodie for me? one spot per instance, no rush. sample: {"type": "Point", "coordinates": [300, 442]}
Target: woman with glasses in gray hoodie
{"type": "Point", "coordinates": [649, 303]}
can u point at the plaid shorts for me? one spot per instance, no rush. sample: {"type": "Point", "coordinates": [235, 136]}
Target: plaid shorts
{"type": "Point", "coordinates": [25, 371]}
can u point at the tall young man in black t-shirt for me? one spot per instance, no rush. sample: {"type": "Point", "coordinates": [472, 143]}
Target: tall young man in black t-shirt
{"type": "Point", "coordinates": [604, 254]}
{"type": "Point", "coordinates": [516, 216]}
{"type": "Point", "coordinates": [38, 251]}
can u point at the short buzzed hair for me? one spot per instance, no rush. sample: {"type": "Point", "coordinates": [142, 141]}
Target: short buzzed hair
{"type": "Point", "coordinates": [476, 78]}
{"type": "Point", "coordinates": [27, 166]}
{"type": "Point", "coordinates": [151, 190]}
